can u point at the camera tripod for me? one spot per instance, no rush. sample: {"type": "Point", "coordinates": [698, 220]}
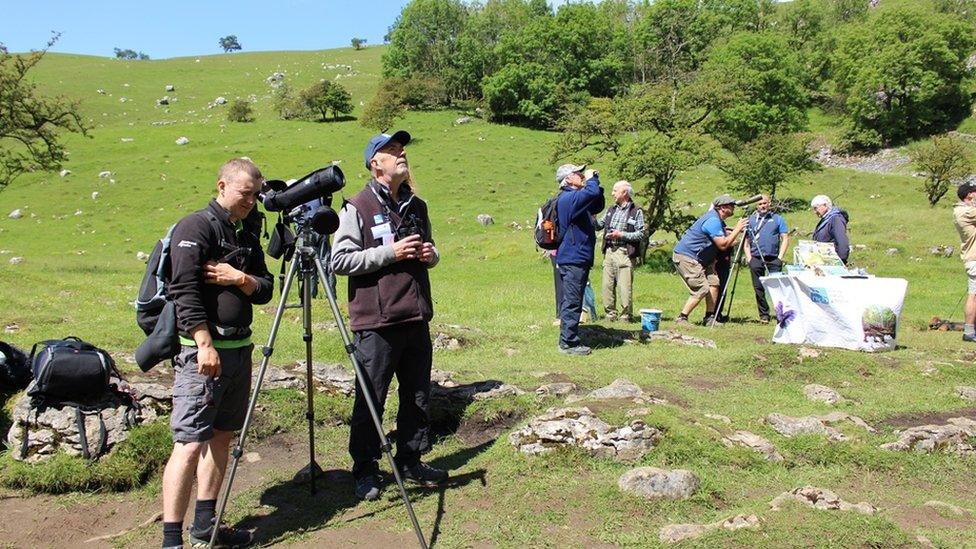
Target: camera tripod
{"type": "Point", "coordinates": [305, 264]}
{"type": "Point", "coordinates": [736, 265]}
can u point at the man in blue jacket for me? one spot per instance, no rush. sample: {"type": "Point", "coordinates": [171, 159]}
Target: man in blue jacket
{"type": "Point", "coordinates": [581, 197]}
{"type": "Point", "coordinates": [694, 256]}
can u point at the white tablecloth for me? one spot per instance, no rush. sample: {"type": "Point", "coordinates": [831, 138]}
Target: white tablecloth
{"type": "Point", "coordinates": [851, 313]}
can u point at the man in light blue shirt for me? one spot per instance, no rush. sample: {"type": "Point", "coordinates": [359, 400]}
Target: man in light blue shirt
{"type": "Point", "coordinates": [767, 239]}
{"type": "Point", "coordinates": [694, 256]}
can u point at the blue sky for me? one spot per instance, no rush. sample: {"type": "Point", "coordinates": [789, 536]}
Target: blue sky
{"type": "Point", "coordinates": [176, 28]}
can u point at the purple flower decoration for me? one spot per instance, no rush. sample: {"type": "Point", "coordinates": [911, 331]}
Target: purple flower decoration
{"type": "Point", "coordinates": [783, 316]}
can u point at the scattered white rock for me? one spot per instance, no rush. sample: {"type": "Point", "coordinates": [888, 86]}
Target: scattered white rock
{"type": "Point", "coordinates": [79, 212]}
{"type": "Point", "coordinates": [142, 256]}
{"type": "Point", "coordinates": [579, 427]}
{"type": "Point", "coordinates": [104, 174]}
{"type": "Point", "coordinates": [64, 173]}
{"type": "Point", "coordinates": [821, 393]}
{"type": "Point", "coordinates": [754, 442]}
{"type": "Point", "coordinates": [16, 260]}
{"type": "Point", "coordinates": [462, 120]}
{"type": "Point", "coordinates": [11, 328]}
{"type": "Point", "coordinates": [673, 533]}
{"type": "Point", "coordinates": [445, 342]}
{"type": "Point", "coordinates": [718, 417]}
{"type": "Point", "coordinates": [814, 425]}
{"type": "Point", "coordinates": [820, 498]}
{"type": "Point", "coordinates": [182, 140]}
{"type": "Point", "coordinates": [16, 214]}
{"type": "Point", "coordinates": [486, 219]}
{"type": "Point", "coordinates": [620, 388]}
{"type": "Point", "coordinates": [556, 389]}
{"type": "Point", "coordinates": [668, 335]}
{"type": "Point", "coordinates": [333, 378]}
{"type": "Point", "coordinates": [654, 483]}
{"type": "Point", "coordinates": [276, 378]}
{"type": "Point", "coordinates": [954, 509]}
{"type": "Point", "coordinates": [808, 352]}
{"type": "Point", "coordinates": [954, 437]}
{"type": "Point", "coordinates": [170, 87]}
{"type": "Point", "coordinates": [252, 457]}
{"type": "Point", "coordinates": [163, 101]}
{"type": "Point", "coordinates": [220, 101]}
{"type": "Point", "coordinates": [966, 393]}
{"type": "Point", "coordinates": [891, 251]}
{"type": "Point", "coordinates": [100, 91]}
{"type": "Point", "coordinates": [94, 195]}
{"type": "Point", "coordinates": [126, 139]}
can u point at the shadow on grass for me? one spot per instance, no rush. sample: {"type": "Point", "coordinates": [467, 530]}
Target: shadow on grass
{"type": "Point", "coordinates": [658, 261]}
{"type": "Point", "coordinates": [602, 337]}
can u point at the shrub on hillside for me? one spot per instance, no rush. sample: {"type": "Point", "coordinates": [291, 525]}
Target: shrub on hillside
{"type": "Point", "coordinates": [383, 109]}
{"type": "Point", "coordinates": [240, 111]}
{"type": "Point", "coordinates": [942, 159]}
{"type": "Point", "coordinates": [326, 97]}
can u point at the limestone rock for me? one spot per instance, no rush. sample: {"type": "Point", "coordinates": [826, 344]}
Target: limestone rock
{"type": "Point", "coordinates": [55, 429]}
{"type": "Point", "coordinates": [620, 388]}
{"type": "Point", "coordinates": [142, 256]}
{"type": "Point", "coordinates": [673, 533]}
{"type": "Point", "coordinates": [668, 335]}
{"type": "Point", "coordinates": [276, 378]}
{"type": "Point", "coordinates": [486, 219]}
{"type": "Point", "coordinates": [220, 101]}
{"type": "Point", "coordinates": [154, 396]}
{"type": "Point", "coordinates": [105, 174]}
{"type": "Point", "coordinates": [462, 120]}
{"type": "Point", "coordinates": [807, 352]}
{"type": "Point", "coordinates": [64, 173]}
{"type": "Point", "coordinates": [443, 341]}
{"type": "Point", "coordinates": [183, 140]}
{"type": "Point", "coordinates": [754, 442]}
{"type": "Point", "coordinates": [814, 425]}
{"type": "Point", "coordinates": [333, 378]}
{"type": "Point", "coordinates": [579, 427]}
{"type": "Point", "coordinates": [94, 195]}
{"type": "Point", "coordinates": [891, 251]}
{"type": "Point", "coordinates": [170, 88]}
{"type": "Point", "coordinates": [16, 260]}
{"type": "Point", "coordinates": [163, 101]}
{"type": "Point", "coordinates": [820, 393]}
{"type": "Point", "coordinates": [654, 483]}
{"type": "Point", "coordinates": [955, 437]}
{"type": "Point", "coordinates": [252, 457]}
{"type": "Point", "coordinates": [966, 393]}
{"type": "Point", "coordinates": [820, 498]}
{"type": "Point", "coordinates": [954, 509]}
{"type": "Point", "coordinates": [556, 389]}
{"type": "Point", "coordinates": [16, 214]}
{"type": "Point", "coordinates": [444, 386]}
{"type": "Point", "coordinates": [718, 417]}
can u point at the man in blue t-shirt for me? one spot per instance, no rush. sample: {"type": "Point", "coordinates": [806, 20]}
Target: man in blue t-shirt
{"type": "Point", "coordinates": [694, 256]}
{"type": "Point", "coordinates": [767, 239]}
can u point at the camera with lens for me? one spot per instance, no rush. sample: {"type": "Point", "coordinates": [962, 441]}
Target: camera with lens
{"type": "Point", "coordinates": [306, 203]}
{"type": "Point", "coordinates": [409, 225]}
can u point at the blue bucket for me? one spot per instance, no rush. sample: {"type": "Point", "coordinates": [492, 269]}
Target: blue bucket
{"type": "Point", "coordinates": [650, 320]}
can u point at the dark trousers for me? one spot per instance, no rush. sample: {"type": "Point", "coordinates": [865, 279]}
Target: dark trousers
{"type": "Point", "coordinates": [759, 268]}
{"type": "Point", "coordinates": [557, 282]}
{"type": "Point", "coordinates": [573, 279]}
{"type": "Point", "coordinates": [403, 350]}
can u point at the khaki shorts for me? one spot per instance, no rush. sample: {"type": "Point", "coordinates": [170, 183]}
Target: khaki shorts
{"type": "Point", "coordinates": [697, 277]}
{"type": "Point", "coordinates": [971, 271]}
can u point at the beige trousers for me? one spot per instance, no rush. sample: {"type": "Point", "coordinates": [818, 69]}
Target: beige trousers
{"type": "Point", "coordinates": [618, 274]}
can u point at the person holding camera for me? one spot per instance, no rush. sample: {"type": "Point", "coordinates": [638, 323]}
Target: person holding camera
{"type": "Point", "coordinates": [580, 198]}
{"type": "Point", "coordinates": [384, 245]}
{"type": "Point", "coordinates": [694, 256]}
{"type": "Point", "coordinates": [623, 229]}
{"type": "Point", "coordinates": [767, 239]}
{"type": "Point", "coordinates": [218, 273]}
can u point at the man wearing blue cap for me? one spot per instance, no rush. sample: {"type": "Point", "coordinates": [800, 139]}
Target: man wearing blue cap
{"type": "Point", "coordinates": [384, 246]}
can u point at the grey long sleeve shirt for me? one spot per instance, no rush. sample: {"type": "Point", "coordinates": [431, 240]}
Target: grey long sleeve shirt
{"type": "Point", "coordinates": [348, 256]}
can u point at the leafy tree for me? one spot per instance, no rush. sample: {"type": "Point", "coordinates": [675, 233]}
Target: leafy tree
{"type": "Point", "coordinates": [423, 39]}
{"type": "Point", "coordinates": [965, 9]}
{"type": "Point", "coordinates": [130, 55]}
{"type": "Point", "coordinates": [30, 124]}
{"type": "Point", "coordinates": [383, 110]}
{"type": "Point", "coordinates": [358, 43]}
{"type": "Point", "coordinates": [288, 107]}
{"type": "Point", "coordinates": [900, 75]}
{"type": "Point", "coordinates": [764, 81]}
{"type": "Point", "coordinates": [846, 11]}
{"type": "Point", "coordinates": [229, 43]}
{"type": "Point", "coordinates": [326, 97]}
{"type": "Point", "coordinates": [767, 163]}
{"type": "Point", "coordinates": [943, 159]}
{"type": "Point", "coordinates": [240, 111]}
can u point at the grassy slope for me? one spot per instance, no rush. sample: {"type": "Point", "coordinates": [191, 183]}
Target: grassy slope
{"type": "Point", "coordinates": [80, 274]}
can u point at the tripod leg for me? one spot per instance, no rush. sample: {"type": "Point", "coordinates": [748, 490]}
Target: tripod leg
{"type": "Point", "coordinates": [307, 281]}
{"type": "Point", "coordinates": [368, 397]}
{"type": "Point", "coordinates": [721, 299]}
{"type": "Point", "coordinates": [735, 281]}
{"type": "Point", "coordinates": [266, 352]}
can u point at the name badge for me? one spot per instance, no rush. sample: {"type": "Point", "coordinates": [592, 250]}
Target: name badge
{"type": "Point", "coordinates": [377, 219]}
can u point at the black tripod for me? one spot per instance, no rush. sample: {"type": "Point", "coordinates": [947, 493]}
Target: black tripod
{"type": "Point", "coordinates": [736, 265]}
{"type": "Point", "coordinates": [306, 262]}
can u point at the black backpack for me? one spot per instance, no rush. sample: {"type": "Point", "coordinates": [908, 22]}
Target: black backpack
{"type": "Point", "coordinates": [15, 369]}
{"type": "Point", "coordinates": [547, 235]}
{"type": "Point", "coordinates": [155, 314]}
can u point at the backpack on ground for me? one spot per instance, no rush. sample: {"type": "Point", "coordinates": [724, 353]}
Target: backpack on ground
{"type": "Point", "coordinates": [547, 234]}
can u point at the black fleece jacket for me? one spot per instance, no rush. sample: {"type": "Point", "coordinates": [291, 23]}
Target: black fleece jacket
{"type": "Point", "coordinates": [194, 243]}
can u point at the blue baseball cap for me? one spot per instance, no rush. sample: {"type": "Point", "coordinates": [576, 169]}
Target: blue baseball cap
{"type": "Point", "coordinates": [380, 141]}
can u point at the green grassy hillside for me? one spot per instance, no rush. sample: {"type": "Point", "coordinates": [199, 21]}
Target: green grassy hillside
{"type": "Point", "coordinates": [80, 274]}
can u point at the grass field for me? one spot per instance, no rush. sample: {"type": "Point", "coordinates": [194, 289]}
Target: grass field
{"type": "Point", "coordinates": [80, 273]}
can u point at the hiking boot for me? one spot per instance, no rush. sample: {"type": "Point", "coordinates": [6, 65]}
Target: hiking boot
{"type": "Point", "coordinates": [682, 320]}
{"type": "Point", "coordinates": [227, 536]}
{"type": "Point", "coordinates": [368, 487]}
{"type": "Point", "coordinates": [424, 474]}
{"type": "Point", "coordinates": [709, 320]}
{"type": "Point", "coordinates": [578, 350]}
{"type": "Point", "coordinates": [970, 338]}
{"type": "Point", "coordinates": [626, 319]}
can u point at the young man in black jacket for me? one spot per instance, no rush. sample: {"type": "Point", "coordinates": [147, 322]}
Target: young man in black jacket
{"type": "Point", "coordinates": [218, 273]}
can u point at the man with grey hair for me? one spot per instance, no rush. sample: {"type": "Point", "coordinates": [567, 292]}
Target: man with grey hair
{"type": "Point", "coordinates": [623, 230]}
{"type": "Point", "coordinates": [217, 274]}
{"type": "Point", "coordinates": [832, 226]}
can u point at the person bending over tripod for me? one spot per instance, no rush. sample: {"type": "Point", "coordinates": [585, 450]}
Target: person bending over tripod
{"type": "Point", "coordinates": [216, 276]}
{"type": "Point", "coordinates": [694, 256]}
{"type": "Point", "coordinates": [767, 239]}
{"type": "Point", "coordinates": [384, 246]}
